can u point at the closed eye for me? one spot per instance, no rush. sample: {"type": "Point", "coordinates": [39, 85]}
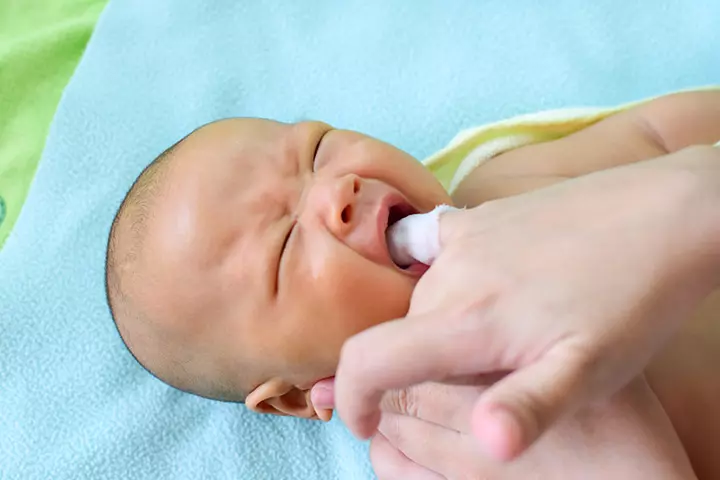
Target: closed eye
{"type": "Point", "coordinates": [292, 227]}
{"type": "Point", "coordinates": [317, 149]}
{"type": "Point", "coordinates": [281, 256]}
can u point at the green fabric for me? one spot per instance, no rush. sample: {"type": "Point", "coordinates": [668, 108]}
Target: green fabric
{"type": "Point", "coordinates": [41, 42]}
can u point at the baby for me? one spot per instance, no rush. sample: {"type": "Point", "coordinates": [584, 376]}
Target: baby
{"type": "Point", "coordinates": [247, 253]}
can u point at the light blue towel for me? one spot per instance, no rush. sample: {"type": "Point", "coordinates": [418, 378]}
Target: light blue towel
{"type": "Point", "coordinates": [73, 405]}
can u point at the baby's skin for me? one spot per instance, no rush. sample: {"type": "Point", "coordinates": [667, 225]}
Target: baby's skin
{"type": "Point", "coordinates": [246, 254]}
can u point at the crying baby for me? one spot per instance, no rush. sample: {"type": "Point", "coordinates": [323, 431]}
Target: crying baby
{"type": "Point", "coordinates": [247, 253]}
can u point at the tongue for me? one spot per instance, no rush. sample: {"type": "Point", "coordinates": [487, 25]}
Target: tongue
{"type": "Point", "coordinates": [416, 238]}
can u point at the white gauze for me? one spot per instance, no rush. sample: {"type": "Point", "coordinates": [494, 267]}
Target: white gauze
{"type": "Point", "coordinates": [416, 237]}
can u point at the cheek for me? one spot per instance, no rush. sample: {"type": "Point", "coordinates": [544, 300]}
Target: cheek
{"type": "Point", "coordinates": [337, 294]}
{"type": "Point", "coordinates": [348, 296]}
{"type": "Point", "coordinates": [353, 293]}
{"type": "Point", "coordinates": [363, 294]}
{"type": "Point", "coordinates": [359, 298]}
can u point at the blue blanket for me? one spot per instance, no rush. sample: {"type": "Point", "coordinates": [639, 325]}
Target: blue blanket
{"type": "Point", "coordinates": [73, 404]}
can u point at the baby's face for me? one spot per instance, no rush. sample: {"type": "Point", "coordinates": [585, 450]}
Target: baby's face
{"type": "Point", "coordinates": [268, 246]}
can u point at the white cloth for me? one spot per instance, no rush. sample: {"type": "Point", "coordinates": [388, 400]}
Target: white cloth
{"type": "Point", "coordinates": [416, 237]}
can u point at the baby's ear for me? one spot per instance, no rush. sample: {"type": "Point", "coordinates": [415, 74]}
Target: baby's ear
{"type": "Point", "coordinates": [278, 397]}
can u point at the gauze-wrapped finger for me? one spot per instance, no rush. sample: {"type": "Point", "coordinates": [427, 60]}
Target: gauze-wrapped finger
{"type": "Point", "coordinates": [416, 237]}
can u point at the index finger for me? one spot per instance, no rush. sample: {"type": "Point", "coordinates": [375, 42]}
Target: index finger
{"type": "Point", "coordinates": [449, 406]}
{"type": "Point", "coordinates": [401, 353]}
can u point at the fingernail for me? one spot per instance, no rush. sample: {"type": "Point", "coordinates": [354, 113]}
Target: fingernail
{"type": "Point", "coordinates": [323, 396]}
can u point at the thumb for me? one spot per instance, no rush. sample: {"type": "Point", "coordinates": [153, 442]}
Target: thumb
{"type": "Point", "coordinates": [512, 414]}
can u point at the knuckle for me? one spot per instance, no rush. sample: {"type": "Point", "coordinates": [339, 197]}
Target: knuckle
{"type": "Point", "coordinates": [494, 293]}
{"type": "Point", "coordinates": [574, 366]}
{"type": "Point", "coordinates": [535, 410]}
{"type": "Point", "coordinates": [475, 314]}
{"type": "Point", "coordinates": [581, 360]}
{"type": "Point", "coordinates": [407, 401]}
{"type": "Point", "coordinates": [481, 305]}
{"type": "Point", "coordinates": [403, 402]}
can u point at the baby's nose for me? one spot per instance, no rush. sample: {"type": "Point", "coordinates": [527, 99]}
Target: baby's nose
{"type": "Point", "coordinates": [342, 203]}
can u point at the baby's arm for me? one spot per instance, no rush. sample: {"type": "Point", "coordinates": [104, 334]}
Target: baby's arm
{"type": "Point", "coordinates": [661, 126]}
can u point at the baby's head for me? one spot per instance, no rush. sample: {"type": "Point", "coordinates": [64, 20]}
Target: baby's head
{"type": "Point", "coordinates": [246, 254]}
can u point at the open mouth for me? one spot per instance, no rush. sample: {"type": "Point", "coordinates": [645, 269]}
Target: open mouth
{"type": "Point", "coordinates": [396, 213]}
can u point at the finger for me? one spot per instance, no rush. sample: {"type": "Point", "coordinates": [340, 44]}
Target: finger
{"type": "Point", "coordinates": [391, 464]}
{"type": "Point", "coordinates": [417, 237]}
{"type": "Point", "coordinates": [400, 353]}
{"type": "Point", "coordinates": [511, 415]}
{"type": "Point", "coordinates": [322, 393]}
{"type": "Point", "coordinates": [448, 406]}
{"type": "Point", "coordinates": [478, 379]}
{"type": "Point", "coordinates": [447, 452]}
{"type": "Point", "coordinates": [452, 223]}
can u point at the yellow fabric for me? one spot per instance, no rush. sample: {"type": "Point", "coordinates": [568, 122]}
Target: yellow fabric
{"type": "Point", "coordinates": [470, 148]}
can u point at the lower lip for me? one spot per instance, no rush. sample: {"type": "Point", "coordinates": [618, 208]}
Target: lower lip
{"type": "Point", "coordinates": [416, 268]}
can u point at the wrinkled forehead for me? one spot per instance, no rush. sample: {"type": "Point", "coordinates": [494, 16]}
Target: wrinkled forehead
{"type": "Point", "coordinates": [239, 149]}
{"type": "Point", "coordinates": [224, 158]}
{"type": "Point", "coordinates": [229, 139]}
{"type": "Point", "coordinates": [213, 174]}
{"type": "Point", "coordinates": [210, 209]}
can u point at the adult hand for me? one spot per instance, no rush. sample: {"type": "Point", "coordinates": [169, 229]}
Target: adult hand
{"type": "Point", "coordinates": [424, 435]}
{"type": "Point", "coordinates": [571, 289]}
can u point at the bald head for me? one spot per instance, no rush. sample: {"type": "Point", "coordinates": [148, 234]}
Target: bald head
{"type": "Point", "coordinates": [188, 254]}
{"type": "Point", "coordinates": [144, 315]}
{"type": "Point", "coordinates": [232, 271]}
